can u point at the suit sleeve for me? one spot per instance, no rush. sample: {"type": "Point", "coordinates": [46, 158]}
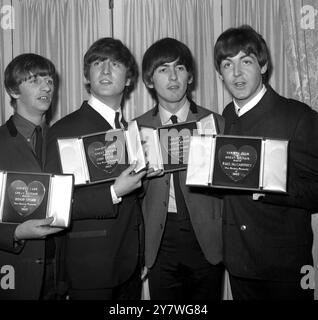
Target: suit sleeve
{"type": "Point", "coordinates": [302, 188]}
{"type": "Point", "coordinates": [89, 202]}
{"type": "Point", "coordinates": [7, 238]}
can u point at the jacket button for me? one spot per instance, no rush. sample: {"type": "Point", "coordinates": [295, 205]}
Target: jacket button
{"type": "Point", "coordinates": [39, 261]}
{"type": "Point", "coordinates": [161, 226]}
{"type": "Point", "coordinates": [167, 182]}
{"type": "Point", "coordinates": [165, 203]}
{"type": "Point", "coordinates": [243, 227]}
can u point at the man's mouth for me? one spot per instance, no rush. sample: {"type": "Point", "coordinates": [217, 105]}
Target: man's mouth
{"type": "Point", "coordinates": [105, 82]}
{"type": "Point", "coordinates": [239, 84]}
{"type": "Point", "coordinates": [45, 99]}
{"type": "Point", "coordinates": [174, 87]}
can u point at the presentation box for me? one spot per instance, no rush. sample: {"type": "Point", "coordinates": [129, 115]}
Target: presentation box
{"type": "Point", "coordinates": [236, 162]}
{"type": "Point", "coordinates": [167, 147]}
{"type": "Point", "coordinates": [25, 196]}
{"type": "Point", "coordinates": [101, 156]}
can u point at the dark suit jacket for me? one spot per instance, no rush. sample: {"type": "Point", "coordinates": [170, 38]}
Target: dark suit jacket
{"type": "Point", "coordinates": [272, 238]}
{"type": "Point", "coordinates": [204, 209]}
{"type": "Point", "coordinates": [27, 261]}
{"type": "Point", "coordinates": [102, 245]}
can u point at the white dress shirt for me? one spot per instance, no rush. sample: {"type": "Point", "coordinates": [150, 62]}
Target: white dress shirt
{"type": "Point", "coordinates": [165, 115]}
{"type": "Point", "coordinates": [251, 104]}
{"type": "Point", "coordinates": [108, 114]}
{"type": "Point", "coordinates": [104, 110]}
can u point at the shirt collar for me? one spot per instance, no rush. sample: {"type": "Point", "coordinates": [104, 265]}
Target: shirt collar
{"type": "Point", "coordinates": [182, 113]}
{"type": "Point", "coordinates": [24, 127]}
{"type": "Point", "coordinates": [251, 104]}
{"type": "Point", "coordinates": [104, 110]}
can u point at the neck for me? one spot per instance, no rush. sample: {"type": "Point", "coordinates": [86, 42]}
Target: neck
{"type": "Point", "coordinates": [242, 103]}
{"type": "Point", "coordinates": [38, 120]}
{"type": "Point", "coordinates": [173, 107]}
{"type": "Point", "coordinates": [112, 102]}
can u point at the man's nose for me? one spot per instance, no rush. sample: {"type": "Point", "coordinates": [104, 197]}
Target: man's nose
{"type": "Point", "coordinates": [173, 74]}
{"type": "Point", "coordinates": [106, 67]}
{"type": "Point", "coordinates": [45, 86]}
{"type": "Point", "coordinates": [237, 70]}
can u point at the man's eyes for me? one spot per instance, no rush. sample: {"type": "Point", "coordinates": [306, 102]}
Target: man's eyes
{"type": "Point", "coordinates": [116, 64]}
{"type": "Point", "coordinates": [113, 63]}
{"type": "Point", "coordinates": [98, 63]}
{"type": "Point", "coordinates": [162, 69]}
{"type": "Point", "coordinates": [38, 80]}
{"type": "Point", "coordinates": [177, 68]}
{"type": "Point", "coordinates": [50, 81]}
{"type": "Point", "coordinates": [180, 68]}
{"type": "Point", "coordinates": [226, 65]}
{"type": "Point", "coordinates": [247, 61]}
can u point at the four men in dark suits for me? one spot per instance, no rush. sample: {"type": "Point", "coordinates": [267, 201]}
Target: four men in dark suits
{"type": "Point", "coordinates": [29, 80]}
{"type": "Point", "coordinates": [267, 237]}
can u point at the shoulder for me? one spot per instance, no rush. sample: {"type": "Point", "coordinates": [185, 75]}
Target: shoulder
{"type": "Point", "coordinates": [3, 129]}
{"type": "Point", "coordinates": [291, 108]}
{"type": "Point", "coordinates": [203, 112]}
{"type": "Point", "coordinates": [4, 133]}
{"type": "Point", "coordinates": [218, 119]}
{"type": "Point", "coordinates": [228, 110]}
{"type": "Point", "coordinates": [69, 122]}
{"type": "Point", "coordinates": [146, 118]}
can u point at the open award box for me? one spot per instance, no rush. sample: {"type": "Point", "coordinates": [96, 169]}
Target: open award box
{"type": "Point", "coordinates": [25, 196]}
{"type": "Point", "coordinates": [167, 147]}
{"type": "Point", "coordinates": [237, 162]}
{"type": "Point", "coordinates": [101, 156]}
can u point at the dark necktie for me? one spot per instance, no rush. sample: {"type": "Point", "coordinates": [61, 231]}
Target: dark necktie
{"type": "Point", "coordinates": [38, 144]}
{"type": "Point", "coordinates": [117, 123]}
{"type": "Point", "coordinates": [181, 205]}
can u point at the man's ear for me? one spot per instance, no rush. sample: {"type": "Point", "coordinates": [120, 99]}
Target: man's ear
{"type": "Point", "coordinates": [150, 84]}
{"type": "Point", "coordinates": [264, 68]}
{"type": "Point", "coordinates": [190, 79]}
{"type": "Point", "coordinates": [15, 95]}
{"type": "Point", "coordinates": [128, 82]}
{"type": "Point", "coordinates": [220, 76]}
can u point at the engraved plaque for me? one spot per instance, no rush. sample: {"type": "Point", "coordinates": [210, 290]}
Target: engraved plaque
{"type": "Point", "coordinates": [237, 163]}
{"type": "Point", "coordinates": [106, 156]}
{"type": "Point", "coordinates": [25, 199]}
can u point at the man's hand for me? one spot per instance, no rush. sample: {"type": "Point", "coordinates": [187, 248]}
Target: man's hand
{"type": "Point", "coordinates": [35, 229]}
{"type": "Point", "coordinates": [151, 173]}
{"type": "Point", "coordinates": [128, 181]}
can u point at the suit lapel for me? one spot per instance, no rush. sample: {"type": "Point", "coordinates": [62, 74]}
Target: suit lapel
{"type": "Point", "coordinates": [93, 118]}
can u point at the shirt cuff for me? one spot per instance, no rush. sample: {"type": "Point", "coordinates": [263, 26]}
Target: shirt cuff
{"type": "Point", "coordinates": [115, 199]}
{"type": "Point", "coordinates": [18, 244]}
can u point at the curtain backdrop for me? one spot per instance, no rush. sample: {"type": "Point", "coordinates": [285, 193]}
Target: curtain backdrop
{"type": "Point", "coordinates": [265, 18]}
{"type": "Point", "coordinates": [301, 45]}
{"type": "Point", "coordinates": [62, 31]}
{"type": "Point", "coordinates": [190, 21]}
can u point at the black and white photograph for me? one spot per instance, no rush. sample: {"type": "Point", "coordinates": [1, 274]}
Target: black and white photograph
{"type": "Point", "coordinates": [235, 218]}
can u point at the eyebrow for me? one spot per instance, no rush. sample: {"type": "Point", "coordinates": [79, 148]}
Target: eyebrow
{"type": "Point", "coordinates": [242, 57]}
